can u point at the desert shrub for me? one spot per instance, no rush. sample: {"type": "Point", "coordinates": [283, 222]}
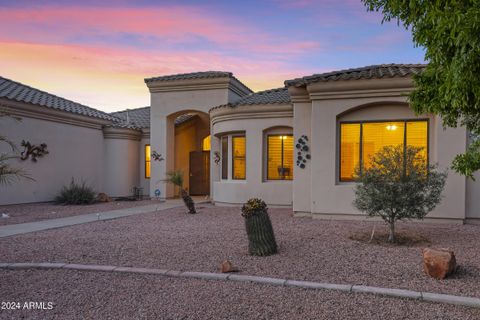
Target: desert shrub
{"type": "Point", "coordinates": [176, 178]}
{"type": "Point", "coordinates": [261, 239]}
{"type": "Point", "coordinates": [399, 185]}
{"type": "Point", "coordinates": [76, 193]}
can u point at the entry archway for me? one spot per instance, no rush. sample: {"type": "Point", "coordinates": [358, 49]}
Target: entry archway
{"type": "Point", "coordinates": [191, 150]}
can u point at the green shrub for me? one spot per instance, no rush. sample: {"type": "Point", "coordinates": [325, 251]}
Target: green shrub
{"type": "Point", "coordinates": [399, 185]}
{"type": "Point", "coordinates": [75, 193]}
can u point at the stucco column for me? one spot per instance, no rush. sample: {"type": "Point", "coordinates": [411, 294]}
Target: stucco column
{"type": "Point", "coordinates": [162, 141]}
{"type": "Point", "coordinates": [302, 125]}
{"type": "Point", "coordinates": [214, 167]}
{"type": "Point", "coordinates": [302, 113]}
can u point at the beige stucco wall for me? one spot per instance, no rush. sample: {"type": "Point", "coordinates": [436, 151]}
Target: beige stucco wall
{"type": "Point", "coordinates": [329, 103]}
{"type": "Point", "coordinates": [121, 162]}
{"type": "Point", "coordinates": [74, 151]}
{"type": "Point", "coordinates": [169, 99]}
{"type": "Point", "coordinates": [302, 180]}
{"type": "Point", "coordinates": [251, 120]}
{"type": "Point", "coordinates": [473, 198]}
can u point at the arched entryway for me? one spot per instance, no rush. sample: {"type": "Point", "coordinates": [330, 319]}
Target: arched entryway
{"type": "Point", "coordinates": [191, 151]}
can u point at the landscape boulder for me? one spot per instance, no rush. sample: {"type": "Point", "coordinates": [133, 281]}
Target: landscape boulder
{"type": "Point", "coordinates": [438, 263]}
{"type": "Point", "coordinates": [227, 266]}
{"type": "Point", "coordinates": [103, 197]}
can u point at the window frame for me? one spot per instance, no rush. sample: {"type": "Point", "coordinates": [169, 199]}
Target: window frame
{"type": "Point", "coordinates": [361, 122]}
{"type": "Point", "coordinates": [267, 136]}
{"type": "Point", "coordinates": [149, 161]}
{"type": "Point", "coordinates": [224, 160]}
{"type": "Point", "coordinates": [232, 156]}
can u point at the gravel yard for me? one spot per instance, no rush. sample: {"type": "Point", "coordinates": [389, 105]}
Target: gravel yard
{"type": "Point", "coordinates": [309, 249]}
{"type": "Point", "coordinates": [30, 212]}
{"type": "Point", "coordinates": [91, 295]}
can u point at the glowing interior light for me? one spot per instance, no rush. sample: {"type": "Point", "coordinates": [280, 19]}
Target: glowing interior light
{"type": "Point", "coordinates": [392, 127]}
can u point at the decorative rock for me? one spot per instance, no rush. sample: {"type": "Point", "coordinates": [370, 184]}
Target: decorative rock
{"type": "Point", "coordinates": [227, 266]}
{"type": "Point", "coordinates": [438, 263]}
{"type": "Point", "coordinates": [103, 197]}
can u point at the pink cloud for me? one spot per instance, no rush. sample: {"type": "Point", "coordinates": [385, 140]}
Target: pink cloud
{"type": "Point", "coordinates": [180, 25]}
{"type": "Point", "coordinates": [111, 79]}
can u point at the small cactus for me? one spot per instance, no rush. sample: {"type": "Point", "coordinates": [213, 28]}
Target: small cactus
{"type": "Point", "coordinates": [261, 239]}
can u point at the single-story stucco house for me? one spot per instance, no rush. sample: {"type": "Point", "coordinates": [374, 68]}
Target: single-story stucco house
{"type": "Point", "coordinates": [295, 146]}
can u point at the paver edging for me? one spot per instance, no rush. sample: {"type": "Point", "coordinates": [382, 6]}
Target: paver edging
{"type": "Point", "coordinates": [390, 292]}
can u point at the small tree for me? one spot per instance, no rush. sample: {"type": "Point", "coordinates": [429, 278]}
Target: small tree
{"type": "Point", "coordinates": [176, 178]}
{"type": "Point", "coordinates": [398, 185]}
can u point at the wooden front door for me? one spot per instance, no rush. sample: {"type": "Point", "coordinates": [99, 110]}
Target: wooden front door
{"type": "Point", "coordinates": [199, 173]}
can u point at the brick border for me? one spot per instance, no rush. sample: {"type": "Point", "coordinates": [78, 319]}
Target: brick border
{"type": "Point", "coordinates": [395, 293]}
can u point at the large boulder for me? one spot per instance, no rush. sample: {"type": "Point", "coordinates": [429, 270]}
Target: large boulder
{"type": "Point", "coordinates": [227, 267]}
{"type": "Point", "coordinates": [438, 263]}
{"type": "Point", "coordinates": [103, 197]}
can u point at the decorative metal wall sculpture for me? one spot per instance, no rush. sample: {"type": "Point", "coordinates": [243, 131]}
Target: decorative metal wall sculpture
{"type": "Point", "coordinates": [216, 157]}
{"type": "Point", "coordinates": [32, 151]}
{"type": "Point", "coordinates": [157, 156]}
{"type": "Point", "coordinates": [303, 151]}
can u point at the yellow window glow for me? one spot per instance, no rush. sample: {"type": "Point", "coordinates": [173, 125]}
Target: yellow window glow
{"type": "Point", "coordinates": [378, 135]}
{"type": "Point", "coordinates": [147, 161]}
{"type": "Point", "coordinates": [417, 133]}
{"type": "Point", "coordinates": [349, 150]}
{"type": "Point", "coordinates": [206, 144]}
{"type": "Point", "coordinates": [238, 155]}
{"type": "Point", "coordinates": [280, 157]}
{"type": "Point", "coordinates": [363, 140]}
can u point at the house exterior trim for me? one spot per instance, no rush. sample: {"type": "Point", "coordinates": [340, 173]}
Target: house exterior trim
{"type": "Point", "coordinates": [44, 113]}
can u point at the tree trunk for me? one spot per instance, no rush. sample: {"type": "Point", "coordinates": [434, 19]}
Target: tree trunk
{"type": "Point", "coordinates": [261, 240]}
{"type": "Point", "coordinates": [188, 201]}
{"type": "Point", "coordinates": [391, 237]}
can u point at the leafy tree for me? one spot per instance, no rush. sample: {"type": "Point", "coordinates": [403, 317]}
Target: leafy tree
{"type": "Point", "coordinates": [8, 173]}
{"type": "Point", "coordinates": [450, 84]}
{"type": "Point", "coordinates": [176, 178]}
{"type": "Point", "coordinates": [398, 185]}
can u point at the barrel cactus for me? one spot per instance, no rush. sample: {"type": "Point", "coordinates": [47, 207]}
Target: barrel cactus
{"type": "Point", "coordinates": [261, 240]}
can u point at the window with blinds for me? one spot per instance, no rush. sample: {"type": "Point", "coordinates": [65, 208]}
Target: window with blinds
{"type": "Point", "coordinates": [279, 157]}
{"type": "Point", "coordinates": [225, 157]}
{"type": "Point", "coordinates": [360, 141]}
{"type": "Point", "coordinates": [147, 161]}
{"type": "Point", "coordinates": [238, 157]}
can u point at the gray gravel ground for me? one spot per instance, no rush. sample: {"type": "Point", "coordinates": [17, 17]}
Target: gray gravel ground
{"type": "Point", "coordinates": [30, 212]}
{"type": "Point", "coordinates": [90, 295]}
{"type": "Point", "coordinates": [309, 249]}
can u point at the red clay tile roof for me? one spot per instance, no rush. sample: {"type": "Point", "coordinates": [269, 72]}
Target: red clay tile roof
{"type": "Point", "coordinates": [17, 91]}
{"type": "Point", "coordinates": [369, 72]}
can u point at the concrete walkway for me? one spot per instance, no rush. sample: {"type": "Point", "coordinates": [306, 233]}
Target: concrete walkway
{"type": "Point", "coordinates": [21, 228]}
{"type": "Point", "coordinates": [349, 288]}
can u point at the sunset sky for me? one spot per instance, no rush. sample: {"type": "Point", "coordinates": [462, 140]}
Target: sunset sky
{"type": "Point", "coordinates": [98, 52]}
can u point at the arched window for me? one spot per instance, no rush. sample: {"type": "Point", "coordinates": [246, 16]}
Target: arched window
{"type": "Point", "coordinates": [360, 140]}
{"type": "Point", "coordinates": [279, 154]}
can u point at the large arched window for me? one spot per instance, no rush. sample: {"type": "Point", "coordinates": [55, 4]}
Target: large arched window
{"type": "Point", "coordinates": [360, 140]}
